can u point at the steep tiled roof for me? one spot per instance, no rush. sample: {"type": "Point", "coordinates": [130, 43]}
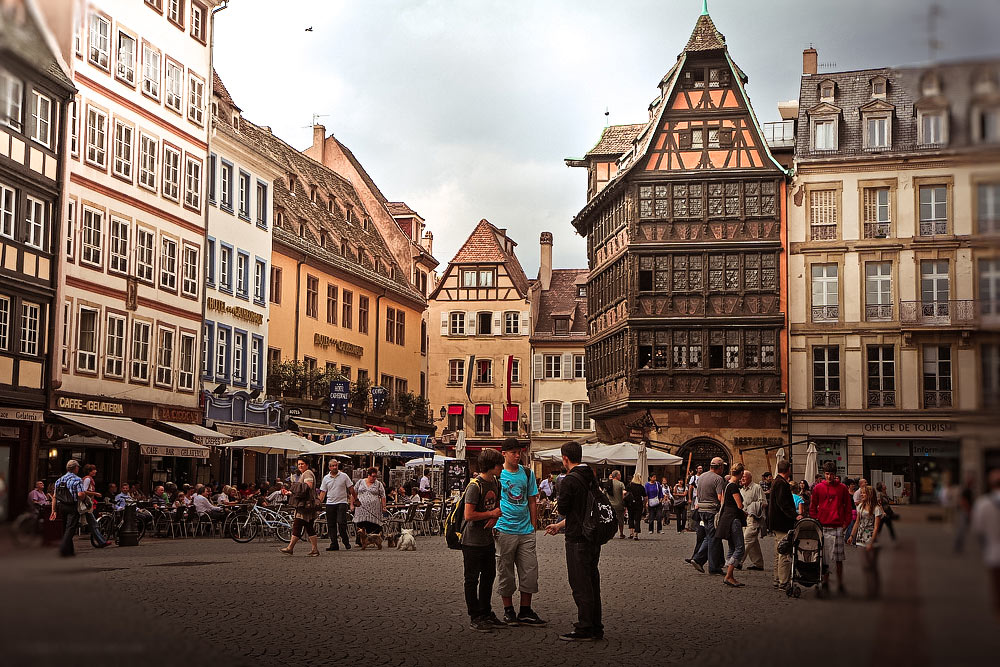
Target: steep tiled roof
{"type": "Point", "coordinates": [318, 221]}
{"type": "Point", "coordinates": [400, 208]}
{"type": "Point", "coordinates": [219, 89]}
{"type": "Point", "coordinates": [485, 246]}
{"type": "Point", "coordinates": [616, 139]}
{"type": "Point", "coordinates": [904, 91]}
{"type": "Point", "coordinates": [361, 170]}
{"type": "Point", "coordinates": [561, 299]}
{"type": "Point", "coordinates": [22, 36]}
{"type": "Point", "coordinates": [705, 36]}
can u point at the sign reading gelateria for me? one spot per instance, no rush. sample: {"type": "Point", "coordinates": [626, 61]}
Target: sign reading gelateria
{"type": "Point", "coordinates": [107, 407]}
{"type": "Point", "coordinates": [22, 415]}
{"type": "Point", "coordinates": [239, 312]}
{"type": "Point", "coordinates": [325, 341]}
{"type": "Point", "coordinates": [910, 427]}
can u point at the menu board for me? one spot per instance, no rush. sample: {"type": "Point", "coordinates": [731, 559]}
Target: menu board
{"type": "Point", "coordinates": [456, 476]}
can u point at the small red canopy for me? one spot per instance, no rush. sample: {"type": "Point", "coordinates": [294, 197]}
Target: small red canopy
{"type": "Point", "coordinates": [482, 409]}
{"type": "Point", "coordinates": [382, 429]}
{"type": "Point", "coordinates": [456, 409]}
{"type": "Point", "coordinates": [510, 413]}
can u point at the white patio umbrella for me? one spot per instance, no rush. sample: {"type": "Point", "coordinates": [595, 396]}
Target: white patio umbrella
{"type": "Point", "coordinates": [779, 456]}
{"type": "Point", "coordinates": [437, 460]}
{"type": "Point", "coordinates": [282, 442]}
{"type": "Point", "coordinates": [460, 445]}
{"type": "Point", "coordinates": [811, 469]}
{"type": "Point", "coordinates": [371, 443]}
{"type": "Point", "coordinates": [623, 453]}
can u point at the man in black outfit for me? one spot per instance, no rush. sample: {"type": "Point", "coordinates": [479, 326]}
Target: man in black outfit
{"type": "Point", "coordinates": [582, 556]}
{"type": "Point", "coordinates": [781, 516]}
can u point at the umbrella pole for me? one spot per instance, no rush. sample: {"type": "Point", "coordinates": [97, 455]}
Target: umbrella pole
{"type": "Point", "coordinates": [767, 455]}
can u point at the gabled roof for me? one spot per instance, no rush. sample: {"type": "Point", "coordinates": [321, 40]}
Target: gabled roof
{"type": "Point", "coordinates": [705, 36]}
{"type": "Point", "coordinates": [616, 139]}
{"type": "Point", "coordinates": [561, 300]}
{"type": "Point", "coordinates": [485, 245]}
{"type": "Point", "coordinates": [21, 35]}
{"type": "Point", "coordinates": [400, 208]}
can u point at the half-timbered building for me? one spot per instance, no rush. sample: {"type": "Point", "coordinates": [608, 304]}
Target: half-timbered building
{"type": "Point", "coordinates": [686, 291]}
{"type": "Point", "coordinates": [477, 358]}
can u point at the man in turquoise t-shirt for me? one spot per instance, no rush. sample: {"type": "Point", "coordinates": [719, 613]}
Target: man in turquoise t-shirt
{"type": "Point", "coordinates": [515, 538]}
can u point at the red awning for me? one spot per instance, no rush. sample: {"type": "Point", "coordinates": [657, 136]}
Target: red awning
{"type": "Point", "coordinates": [482, 409]}
{"type": "Point", "coordinates": [381, 429]}
{"type": "Point", "coordinates": [510, 413]}
{"type": "Point", "coordinates": [456, 409]}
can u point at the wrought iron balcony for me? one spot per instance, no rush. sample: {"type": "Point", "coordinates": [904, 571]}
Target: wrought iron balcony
{"type": "Point", "coordinates": [961, 312]}
{"type": "Point", "coordinates": [877, 230]}
{"type": "Point", "coordinates": [878, 312]}
{"type": "Point", "coordinates": [822, 232]}
{"type": "Point", "coordinates": [826, 399]}
{"type": "Point", "coordinates": [933, 227]}
{"type": "Point", "coordinates": [881, 399]}
{"type": "Point", "coordinates": [825, 313]}
{"type": "Point", "coordinates": [937, 399]}
{"type": "Point", "coordinates": [780, 134]}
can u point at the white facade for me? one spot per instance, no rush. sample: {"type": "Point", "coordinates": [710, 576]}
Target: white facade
{"type": "Point", "coordinates": [238, 260]}
{"type": "Point", "coordinates": [135, 234]}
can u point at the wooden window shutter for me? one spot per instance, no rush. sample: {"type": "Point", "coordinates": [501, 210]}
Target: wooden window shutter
{"type": "Point", "coordinates": [497, 322]}
{"type": "Point", "coordinates": [538, 366]}
{"type": "Point", "coordinates": [822, 207]}
{"type": "Point", "coordinates": [525, 323]}
{"type": "Point", "coordinates": [470, 324]}
{"type": "Point", "coordinates": [567, 366]}
{"type": "Point", "coordinates": [567, 417]}
{"type": "Point", "coordinates": [445, 323]}
{"type": "Point", "coordinates": [871, 200]}
{"type": "Point", "coordinates": [684, 139]}
{"type": "Point", "coordinates": [536, 416]}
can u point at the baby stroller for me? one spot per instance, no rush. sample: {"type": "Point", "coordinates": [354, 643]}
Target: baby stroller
{"type": "Point", "coordinates": [806, 545]}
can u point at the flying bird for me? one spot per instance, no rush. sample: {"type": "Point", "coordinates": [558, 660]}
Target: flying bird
{"type": "Point", "coordinates": [309, 29]}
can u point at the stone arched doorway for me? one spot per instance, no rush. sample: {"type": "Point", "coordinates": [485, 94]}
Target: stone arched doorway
{"type": "Point", "coordinates": [702, 451]}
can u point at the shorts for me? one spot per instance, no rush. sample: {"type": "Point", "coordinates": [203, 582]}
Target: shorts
{"type": "Point", "coordinates": [516, 551]}
{"type": "Point", "coordinates": [833, 544]}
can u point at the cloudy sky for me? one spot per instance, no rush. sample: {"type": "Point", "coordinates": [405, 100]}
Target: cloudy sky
{"type": "Point", "coordinates": [466, 109]}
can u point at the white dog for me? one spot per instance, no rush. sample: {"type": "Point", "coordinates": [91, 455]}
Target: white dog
{"type": "Point", "coordinates": [406, 541]}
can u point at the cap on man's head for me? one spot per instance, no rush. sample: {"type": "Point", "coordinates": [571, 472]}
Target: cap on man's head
{"type": "Point", "coordinates": [72, 464]}
{"type": "Point", "coordinates": [717, 462]}
{"type": "Point", "coordinates": [511, 444]}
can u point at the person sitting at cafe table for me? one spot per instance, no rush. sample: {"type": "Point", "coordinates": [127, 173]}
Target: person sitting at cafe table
{"type": "Point", "coordinates": [37, 498]}
{"type": "Point", "coordinates": [159, 497]}
{"type": "Point", "coordinates": [123, 497]}
{"type": "Point", "coordinates": [276, 497]}
{"type": "Point", "coordinates": [228, 497]}
{"type": "Point", "coordinates": [204, 506]}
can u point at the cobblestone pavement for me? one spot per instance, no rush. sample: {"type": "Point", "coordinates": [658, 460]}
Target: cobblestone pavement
{"type": "Point", "coordinates": [168, 602]}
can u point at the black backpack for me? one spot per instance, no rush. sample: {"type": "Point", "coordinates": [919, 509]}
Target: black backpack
{"type": "Point", "coordinates": [599, 520]}
{"type": "Point", "coordinates": [453, 524]}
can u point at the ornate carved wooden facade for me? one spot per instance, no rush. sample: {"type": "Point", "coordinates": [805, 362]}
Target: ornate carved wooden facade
{"type": "Point", "coordinates": [686, 291]}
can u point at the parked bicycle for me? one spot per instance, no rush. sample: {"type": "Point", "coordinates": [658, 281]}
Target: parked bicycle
{"type": "Point", "coordinates": [110, 523]}
{"type": "Point", "coordinates": [27, 528]}
{"type": "Point", "coordinates": [244, 526]}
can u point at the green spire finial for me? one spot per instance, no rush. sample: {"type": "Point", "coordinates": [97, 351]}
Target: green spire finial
{"type": "Point", "coordinates": [704, 7]}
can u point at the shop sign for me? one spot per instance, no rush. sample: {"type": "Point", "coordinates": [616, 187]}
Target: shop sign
{"type": "Point", "coordinates": [163, 450]}
{"type": "Point", "coordinates": [945, 449]}
{"type": "Point", "coordinates": [105, 407]}
{"type": "Point", "coordinates": [910, 427]}
{"type": "Point", "coordinates": [239, 312]}
{"type": "Point", "coordinates": [324, 341]}
{"type": "Point", "coordinates": [165, 413]}
{"type": "Point", "coordinates": [749, 443]}
{"type": "Point", "coordinates": [22, 415]}
{"type": "Point", "coordinates": [237, 431]}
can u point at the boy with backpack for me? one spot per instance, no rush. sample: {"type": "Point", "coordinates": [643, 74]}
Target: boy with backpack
{"type": "Point", "coordinates": [482, 509]}
{"type": "Point", "coordinates": [515, 536]}
{"type": "Point", "coordinates": [578, 493]}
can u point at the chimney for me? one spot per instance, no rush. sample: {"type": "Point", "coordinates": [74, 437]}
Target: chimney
{"type": "Point", "coordinates": [545, 265]}
{"type": "Point", "coordinates": [319, 143]}
{"type": "Point", "coordinates": [809, 61]}
{"type": "Point", "coordinates": [428, 243]}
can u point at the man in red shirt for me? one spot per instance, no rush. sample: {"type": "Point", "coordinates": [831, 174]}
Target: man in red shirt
{"type": "Point", "coordinates": [831, 506]}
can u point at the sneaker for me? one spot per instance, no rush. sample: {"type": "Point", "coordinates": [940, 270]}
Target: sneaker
{"type": "Point", "coordinates": [333, 547]}
{"type": "Point", "coordinates": [509, 616]}
{"type": "Point", "coordinates": [527, 616]}
{"type": "Point", "coordinates": [756, 567]}
{"type": "Point", "coordinates": [494, 621]}
{"type": "Point", "coordinates": [577, 636]}
{"type": "Point", "coordinates": [698, 566]}
{"type": "Point", "coordinates": [480, 625]}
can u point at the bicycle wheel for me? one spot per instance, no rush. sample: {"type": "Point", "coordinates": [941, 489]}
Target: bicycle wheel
{"type": "Point", "coordinates": [244, 528]}
{"type": "Point", "coordinates": [27, 530]}
{"type": "Point", "coordinates": [283, 531]}
{"type": "Point", "coordinates": [106, 524]}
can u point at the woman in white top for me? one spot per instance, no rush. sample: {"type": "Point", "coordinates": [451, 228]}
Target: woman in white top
{"type": "Point", "coordinates": [90, 488]}
{"type": "Point", "coordinates": [864, 535]}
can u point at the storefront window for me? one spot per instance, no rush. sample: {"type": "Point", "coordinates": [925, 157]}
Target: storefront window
{"type": "Point", "coordinates": [831, 450]}
{"type": "Point", "coordinates": [913, 471]}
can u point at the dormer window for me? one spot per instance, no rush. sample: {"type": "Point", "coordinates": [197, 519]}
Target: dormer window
{"type": "Point", "coordinates": [350, 215]}
{"type": "Point", "coordinates": [291, 183]}
{"type": "Point", "coordinates": [876, 125]}
{"type": "Point", "coordinates": [279, 218]}
{"type": "Point", "coordinates": [581, 291]}
{"type": "Point", "coordinates": [989, 125]}
{"type": "Point", "coordinates": [984, 82]}
{"type": "Point", "coordinates": [322, 239]}
{"type": "Point", "coordinates": [236, 122]}
{"type": "Point", "coordinates": [879, 86]}
{"type": "Point", "coordinates": [331, 203]}
{"type": "Point", "coordinates": [824, 134]}
{"type": "Point", "coordinates": [343, 248]}
{"type": "Point", "coordinates": [302, 230]}
{"type": "Point", "coordinates": [560, 326]}
{"type": "Point", "coordinates": [365, 223]}
{"type": "Point", "coordinates": [215, 108]}
{"type": "Point", "coordinates": [931, 85]}
{"type": "Point", "coordinates": [826, 91]}
{"type": "Point", "coordinates": [932, 127]}
{"type": "Point", "coordinates": [312, 193]}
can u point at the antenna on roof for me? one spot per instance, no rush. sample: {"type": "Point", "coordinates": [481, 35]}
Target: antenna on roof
{"type": "Point", "coordinates": [607, 115]}
{"type": "Point", "coordinates": [933, 43]}
{"type": "Point", "coordinates": [315, 117]}
{"type": "Point", "coordinates": [830, 65]}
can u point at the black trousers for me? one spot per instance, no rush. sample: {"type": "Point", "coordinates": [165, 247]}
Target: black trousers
{"type": "Point", "coordinates": [680, 516]}
{"type": "Point", "coordinates": [480, 566]}
{"type": "Point", "coordinates": [336, 522]}
{"type": "Point", "coordinates": [582, 560]}
{"type": "Point", "coordinates": [655, 515]}
{"type": "Point", "coordinates": [72, 519]}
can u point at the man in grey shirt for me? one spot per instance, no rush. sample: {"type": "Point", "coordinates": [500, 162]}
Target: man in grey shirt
{"type": "Point", "coordinates": [337, 492]}
{"type": "Point", "coordinates": [711, 487]}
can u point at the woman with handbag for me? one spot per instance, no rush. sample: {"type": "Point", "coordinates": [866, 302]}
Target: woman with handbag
{"type": "Point", "coordinates": [370, 505]}
{"type": "Point", "coordinates": [303, 497]}
{"type": "Point", "coordinates": [680, 494]}
{"type": "Point", "coordinates": [731, 522]}
{"type": "Point", "coordinates": [86, 505]}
